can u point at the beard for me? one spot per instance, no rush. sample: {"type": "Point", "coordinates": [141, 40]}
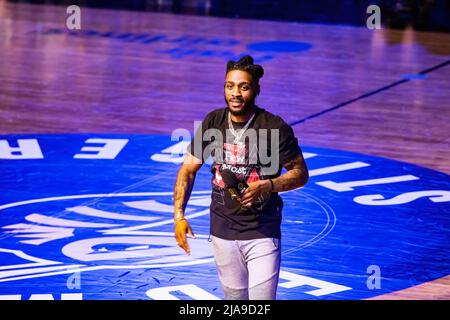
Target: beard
{"type": "Point", "coordinates": [246, 108]}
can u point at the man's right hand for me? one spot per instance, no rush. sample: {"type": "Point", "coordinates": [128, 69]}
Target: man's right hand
{"type": "Point", "coordinates": [182, 228]}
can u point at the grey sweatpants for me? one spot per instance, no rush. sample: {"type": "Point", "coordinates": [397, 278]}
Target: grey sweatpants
{"type": "Point", "coordinates": [248, 269]}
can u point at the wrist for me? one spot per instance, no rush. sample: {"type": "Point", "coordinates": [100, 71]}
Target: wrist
{"type": "Point", "coordinates": [268, 185]}
{"type": "Point", "coordinates": [178, 216]}
{"type": "Point", "coordinates": [175, 222]}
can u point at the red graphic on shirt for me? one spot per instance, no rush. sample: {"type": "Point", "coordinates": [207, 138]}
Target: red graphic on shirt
{"type": "Point", "coordinates": [235, 160]}
{"type": "Point", "coordinates": [218, 181]}
{"type": "Point", "coordinates": [254, 176]}
{"type": "Point", "coordinates": [234, 154]}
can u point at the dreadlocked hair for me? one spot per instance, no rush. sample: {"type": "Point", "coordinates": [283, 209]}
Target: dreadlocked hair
{"type": "Point", "coordinates": [246, 64]}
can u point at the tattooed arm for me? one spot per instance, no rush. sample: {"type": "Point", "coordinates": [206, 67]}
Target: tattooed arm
{"type": "Point", "coordinates": [295, 177]}
{"type": "Point", "coordinates": [182, 192]}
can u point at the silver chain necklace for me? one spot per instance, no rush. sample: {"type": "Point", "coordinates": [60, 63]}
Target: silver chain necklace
{"type": "Point", "coordinates": [238, 136]}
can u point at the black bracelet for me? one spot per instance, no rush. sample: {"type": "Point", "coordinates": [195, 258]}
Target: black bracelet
{"type": "Point", "coordinates": [271, 185]}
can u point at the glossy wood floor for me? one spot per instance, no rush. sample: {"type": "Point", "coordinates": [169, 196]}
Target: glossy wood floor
{"type": "Point", "coordinates": [60, 83]}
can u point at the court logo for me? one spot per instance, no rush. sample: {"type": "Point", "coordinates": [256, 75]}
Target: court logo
{"type": "Point", "coordinates": [187, 45]}
{"type": "Point", "coordinates": [74, 237]}
{"type": "Point", "coordinates": [93, 215]}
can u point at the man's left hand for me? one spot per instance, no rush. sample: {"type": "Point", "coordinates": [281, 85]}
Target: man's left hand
{"type": "Point", "coordinates": [254, 191]}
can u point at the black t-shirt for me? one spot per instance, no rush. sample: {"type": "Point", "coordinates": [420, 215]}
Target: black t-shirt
{"type": "Point", "coordinates": [259, 155]}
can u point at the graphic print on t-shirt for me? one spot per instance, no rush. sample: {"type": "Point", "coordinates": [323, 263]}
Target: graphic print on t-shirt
{"type": "Point", "coordinates": [236, 160]}
{"type": "Point", "coordinates": [235, 154]}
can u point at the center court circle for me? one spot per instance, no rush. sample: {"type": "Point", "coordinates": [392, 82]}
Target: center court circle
{"type": "Point", "coordinates": [356, 212]}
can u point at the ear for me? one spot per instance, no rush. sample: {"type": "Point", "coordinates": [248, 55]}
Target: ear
{"type": "Point", "coordinates": [258, 89]}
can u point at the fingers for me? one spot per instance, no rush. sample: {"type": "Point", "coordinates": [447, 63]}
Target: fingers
{"type": "Point", "coordinates": [247, 199]}
{"type": "Point", "coordinates": [186, 247]}
{"type": "Point", "coordinates": [190, 233]}
{"type": "Point", "coordinates": [183, 244]}
{"type": "Point", "coordinates": [180, 237]}
{"type": "Point", "coordinates": [248, 194]}
{"type": "Point", "coordinates": [252, 193]}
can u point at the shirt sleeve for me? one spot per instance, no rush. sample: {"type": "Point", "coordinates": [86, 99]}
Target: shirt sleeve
{"type": "Point", "coordinates": [289, 148]}
{"type": "Point", "coordinates": [198, 145]}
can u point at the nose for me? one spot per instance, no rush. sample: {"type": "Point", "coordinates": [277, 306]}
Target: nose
{"type": "Point", "coordinates": [236, 92]}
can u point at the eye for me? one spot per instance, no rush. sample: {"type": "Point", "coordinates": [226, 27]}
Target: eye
{"type": "Point", "coordinates": [229, 86]}
{"type": "Point", "coordinates": [245, 88]}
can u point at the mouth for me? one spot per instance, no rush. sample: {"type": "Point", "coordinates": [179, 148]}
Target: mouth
{"type": "Point", "coordinates": [236, 103]}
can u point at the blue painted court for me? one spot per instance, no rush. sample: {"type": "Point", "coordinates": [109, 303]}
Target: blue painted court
{"type": "Point", "coordinates": [90, 216]}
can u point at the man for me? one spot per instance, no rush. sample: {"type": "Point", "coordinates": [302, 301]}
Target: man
{"type": "Point", "coordinates": [245, 226]}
